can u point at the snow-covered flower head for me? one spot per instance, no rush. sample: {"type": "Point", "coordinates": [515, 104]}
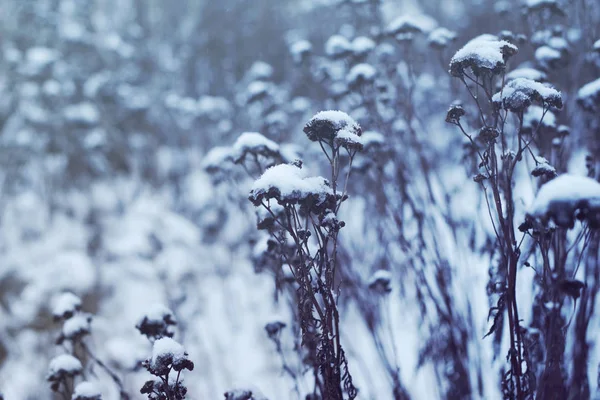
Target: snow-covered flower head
{"type": "Point", "coordinates": [519, 93]}
{"type": "Point", "coordinates": [337, 46]}
{"type": "Point", "coordinates": [65, 306]}
{"type": "Point", "coordinates": [157, 322]}
{"type": "Point", "coordinates": [62, 367]}
{"type": "Point", "coordinates": [566, 198]}
{"type": "Point", "coordinates": [361, 74]}
{"type": "Point", "coordinates": [325, 126]}
{"type": "Point", "coordinates": [168, 354]}
{"type": "Point", "coordinates": [484, 54]}
{"type": "Point", "coordinates": [254, 144]}
{"type": "Point", "coordinates": [75, 328]}
{"type": "Point", "coordinates": [287, 184]}
{"type": "Point", "coordinates": [87, 391]}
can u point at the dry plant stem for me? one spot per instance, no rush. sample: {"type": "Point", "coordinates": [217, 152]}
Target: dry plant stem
{"type": "Point", "coordinates": [114, 377]}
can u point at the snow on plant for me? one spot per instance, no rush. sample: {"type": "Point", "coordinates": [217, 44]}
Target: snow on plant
{"type": "Point", "coordinates": [310, 207]}
{"type": "Point", "coordinates": [168, 361]}
{"type": "Point", "coordinates": [158, 322]}
{"type": "Point", "coordinates": [484, 56]}
{"type": "Point", "coordinates": [566, 198]}
{"type": "Point", "coordinates": [499, 147]}
{"type": "Point", "coordinates": [64, 368]}
{"type": "Point", "coordinates": [87, 391]}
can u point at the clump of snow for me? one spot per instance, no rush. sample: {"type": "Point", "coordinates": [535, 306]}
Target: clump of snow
{"type": "Point", "coordinates": [362, 45]}
{"type": "Point", "coordinates": [441, 37]}
{"type": "Point", "coordinates": [87, 391]}
{"type": "Point", "coordinates": [217, 158]}
{"type": "Point", "coordinates": [483, 54]}
{"type": "Point", "coordinates": [521, 92]}
{"type": "Point", "coordinates": [76, 327]}
{"type": "Point", "coordinates": [157, 322]}
{"type": "Point", "coordinates": [528, 73]}
{"type": "Point", "coordinates": [260, 70]}
{"type": "Point", "coordinates": [253, 143]}
{"type": "Point", "coordinates": [65, 305]}
{"type": "Point", "coordinates": [349, 140]}
{"type": "Point", "coordinates": [326, 124]}
{"type": "Point", "coordinates": [561, 197]}
{"type": "Point", "coordinates": [380, 281]}
{"type": "Point", "coordinates": [257, 90]}
{"type": "Point", "coordinates": [300, 49]}
{"type": "Point", "coordinates": [64, 365]}
{"type": "Point", "coordinates": [361, 73]}
{"type": "Point", "coordinates": [83, 113]}
{"type": "Point", "coordinates": [405, 26]}
{"type": "Point", "coordinates": [588, 96]}
{"type": "Point", "coordinates": [287, 183]}
{"type": "Point", "coordinates": [337, 46]}
{"type": "Point", "coordinates": [547, 55]}
{"type": "Point", "coordinates": [166, 348]}
{"type": "Point", "coordinates": [40, 56]}
{"type": "Point", "coordinates": [372, 138]}
{"type": "Point", "coordinates": [596, 45]}
{"type": "Point", "coordinates": [544, 168]}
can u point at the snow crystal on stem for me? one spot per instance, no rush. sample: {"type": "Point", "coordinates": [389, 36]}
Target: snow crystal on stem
{"type": "Point", "coordinates": [484, 54]}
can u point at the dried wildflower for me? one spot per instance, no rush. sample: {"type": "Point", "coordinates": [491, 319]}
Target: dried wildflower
{"type": "Point", "coordinates": [87, 391]}
{"type": "Point", "coordinates": [454, 114]}
{"type": "Point", "coordinates": [65, 306]}
{"type": "Point", "coordinates": [158, 322]}
{"type": "Point", "coordinates": [440, 38]}
{"type": "Point", "coordinates": [75, 328]}
{"type": "Point", "coordinates": [483, 55]}
{"type": "Point", "coordinates": [543, 168]}
{"type": "Point", "coordinates": [380, 281]}
{"type": "Point", "coordinates": [62, 367]}
{"type": "Point", "coordinates": [571, 287]}
{"type": "Point", "coordinates": [479, 178]}
{"type": "Point", "coordinates": [274, 328]}
{"type": "Point", "coordinates": [488, 135]}
{"type": "Point", "coordinates": [325, 125]}
{"type": "Point", "coordinates": [519, 93]}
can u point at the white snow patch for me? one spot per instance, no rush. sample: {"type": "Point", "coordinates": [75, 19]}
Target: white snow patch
{"type": "Point", "coordinates": [65, 303]}
{"type": "Point", "coordinates": [565, 188]}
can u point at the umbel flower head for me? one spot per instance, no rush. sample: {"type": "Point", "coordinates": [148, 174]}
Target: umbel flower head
{"type": "Point", "coordinates": [158, 322]}
{"type": "Point", "coordinates": [325, 126]}
{"type": "Point", "coordinates": [62, 367]}
{"type": "Point", "coordinates": [484, 54]}
{"type": "Point", "coordinates": [520, 93]}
